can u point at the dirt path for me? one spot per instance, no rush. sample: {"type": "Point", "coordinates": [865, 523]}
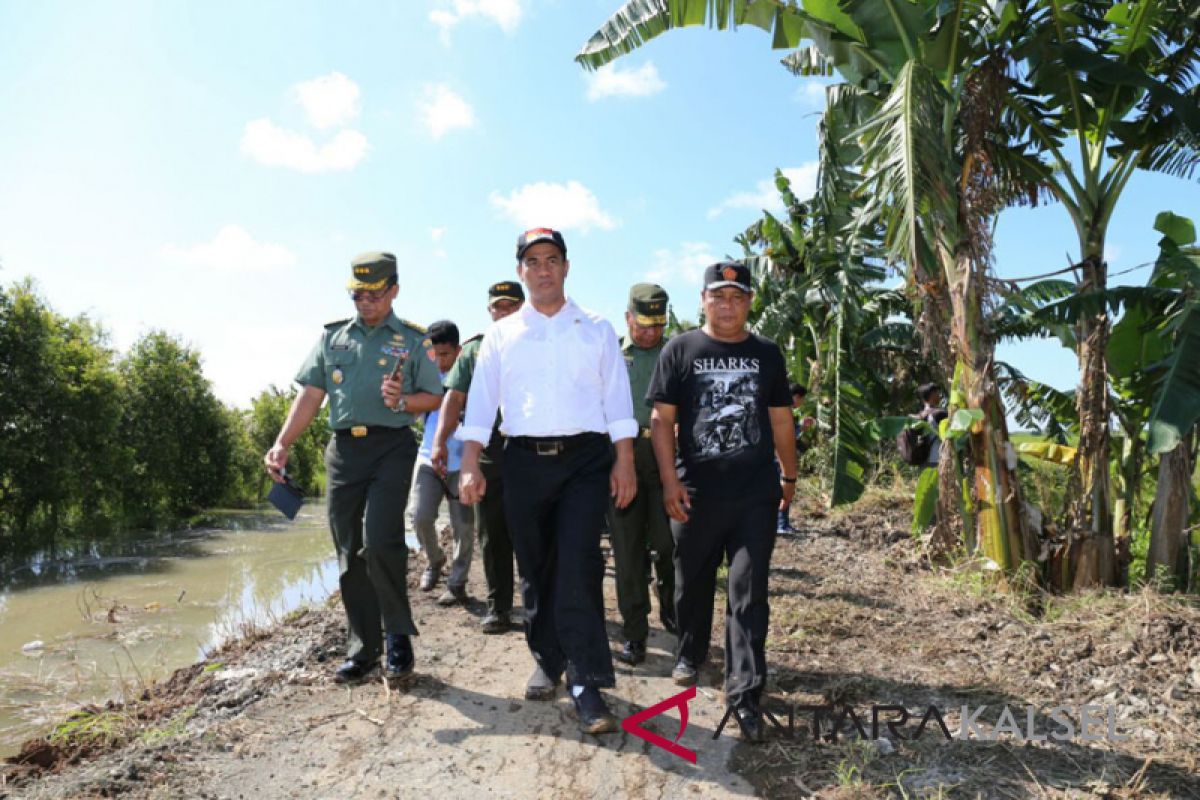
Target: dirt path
{"type": "Point", "coordinates": [858, 618]}
{"type": "Point", "coordinates": [269, 723]}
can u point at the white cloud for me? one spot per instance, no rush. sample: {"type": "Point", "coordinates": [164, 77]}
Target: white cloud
{"type": "Point", "coordinates": [233, 249]}
{"type": "Point", "coordinates": [268, 144]}
{"type": "Point", "coordinates": [1112, 253]}
{"type": "Point", "coordinates": [449, 13]}
{"type": "Point", "coordinates": [329, 101]}
{"type": "Point", "coordinates": [436, 235]}
{"type": "Point", "coordinates": [683, 265]}
{"type": "Point", "coordinates": [766, 197]}
{"type": "Point", "coordinates": [443, 110]}
{"type": "Point", "coordinates": [565, 206]}
{"type": "Point", "coordinates": [609, 81]}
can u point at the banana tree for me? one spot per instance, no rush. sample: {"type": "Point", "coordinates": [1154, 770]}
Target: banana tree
{"type": "Point", "coordinates": [933, 174]}
{"type": "Point", "coordinates": [1120, 78]}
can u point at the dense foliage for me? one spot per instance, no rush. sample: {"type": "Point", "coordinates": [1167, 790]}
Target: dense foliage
{"type": "Point", "coordinates": [93, 441]}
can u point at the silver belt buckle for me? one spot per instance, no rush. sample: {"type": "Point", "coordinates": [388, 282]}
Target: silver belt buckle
{"type": "Point", "coordinates": [547, 448]}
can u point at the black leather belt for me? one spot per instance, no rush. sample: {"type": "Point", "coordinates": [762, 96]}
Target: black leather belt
{"type": "Point", "coordinates": [359, 431]}
{"type": "Point", "coordinates": [554, 445]}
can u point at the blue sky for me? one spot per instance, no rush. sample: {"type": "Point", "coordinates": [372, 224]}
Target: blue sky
{"type": "Point", "coordinates": [211, 169]}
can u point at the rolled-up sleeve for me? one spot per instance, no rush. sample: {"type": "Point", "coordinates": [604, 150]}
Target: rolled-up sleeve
{"type": "Point", "coordinates": [483, 398]}
{"type": "Point", "coordinates": [617, 398]}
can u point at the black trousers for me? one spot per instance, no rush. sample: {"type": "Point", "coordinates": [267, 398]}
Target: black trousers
{"type": "Point", "coordinates": [367, 486]}
{"type": "Point", "coordinates": [494, 540]}
{"type": "Point", "coordinates": [555, 506]}
{"type": "Point", "coordinates": [641, 533]}
{"type": "Point", "coordinates": [744, 532]}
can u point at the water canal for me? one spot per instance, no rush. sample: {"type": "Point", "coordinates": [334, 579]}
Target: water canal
{"type": "Point", "coordinates": [100, 625]}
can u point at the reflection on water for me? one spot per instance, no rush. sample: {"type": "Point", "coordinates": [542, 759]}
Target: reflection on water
{"type": "Point", "coordinates": [112, 619]}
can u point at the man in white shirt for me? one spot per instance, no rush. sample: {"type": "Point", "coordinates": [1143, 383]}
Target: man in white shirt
{"type": "Point", "coordinates": [556, 373]}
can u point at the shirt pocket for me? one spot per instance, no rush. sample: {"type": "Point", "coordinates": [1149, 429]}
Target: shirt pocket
{"type": "Point", "coordinates": [584, 350]}
{"type": "Point", "coordinates": [339, 366]}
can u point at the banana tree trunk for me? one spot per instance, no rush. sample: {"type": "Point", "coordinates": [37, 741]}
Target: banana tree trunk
{"type": "Point", "coordinates": [999, 521]}
{"type": "Point", "coordinates": [1091, 511]}
{"type": "Point", "coordinates": [1172, 509]}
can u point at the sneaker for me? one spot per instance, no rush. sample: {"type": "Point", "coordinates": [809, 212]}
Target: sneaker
{"type": "Point", "coordinates": [685, 673]}
{"type": "Point", "coordinates": [400, 657]}
{"type": "Point", "coordinates": [540, 686]}
{"type": "Point", "coordinates": [453, 596]}
{"type": "Point", "coordinates": [593, 713]}
{"type": "Point", "coordinates": [495, 623]}
{"type": "Point", "coordinates": [429, 577]}
{"type": "Point", "coordinates": [633, 653]}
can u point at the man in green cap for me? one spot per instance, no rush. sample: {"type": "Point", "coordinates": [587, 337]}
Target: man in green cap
{"type": "Point", "coordinates": [379, 372]}
{"type": "Point", "coordinates": [641, 532]}
{"type": "Point", "coordinates": [504, 298]}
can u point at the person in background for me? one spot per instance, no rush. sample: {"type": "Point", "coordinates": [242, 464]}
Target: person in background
{"type": "Point", "coordinates": [432, 487]}
{"type": "Point", "coordinates": [641, 532]}
{"type": "Point", "coordinates": [495, 543]}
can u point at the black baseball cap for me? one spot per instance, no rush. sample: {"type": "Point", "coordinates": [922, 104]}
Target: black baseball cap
{"type": "Point", "coordinates": [506, 290]}
{"type": "Point", "coordinates": [728, 273]}
{"type": "Point", "coordinates": [538, 235]}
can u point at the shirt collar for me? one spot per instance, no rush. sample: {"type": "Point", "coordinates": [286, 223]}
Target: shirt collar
{"type": "Point", "coordinates": [530, 313]}
{"type": "Point", "coordinates": [390, 321]}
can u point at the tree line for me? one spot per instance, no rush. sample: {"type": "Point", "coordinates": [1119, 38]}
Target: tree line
{"type": "Point", "coordinates": [93, 441]}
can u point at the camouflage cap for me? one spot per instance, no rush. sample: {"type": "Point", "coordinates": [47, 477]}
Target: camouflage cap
{"type": "Point", "coordinates": [372, 271]}
{"type": "Point", "coordinates": [506, 290]}
{"type": "Point", "coordinates": [648, 304]}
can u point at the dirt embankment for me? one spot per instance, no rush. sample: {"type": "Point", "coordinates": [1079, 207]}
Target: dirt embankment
{"type": "Point", "coordinates": [858, 619]}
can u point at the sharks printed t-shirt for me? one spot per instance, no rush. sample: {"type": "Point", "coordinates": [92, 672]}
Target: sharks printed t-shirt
{"type": "Point", "coordinates": [721, 391]}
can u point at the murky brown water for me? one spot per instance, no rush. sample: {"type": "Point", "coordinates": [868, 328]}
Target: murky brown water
{"type": "Point", "coordinates": [110, 623]}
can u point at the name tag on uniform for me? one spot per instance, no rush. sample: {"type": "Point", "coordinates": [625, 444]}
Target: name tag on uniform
{"type": "Point", "coordinates": [345, 346]}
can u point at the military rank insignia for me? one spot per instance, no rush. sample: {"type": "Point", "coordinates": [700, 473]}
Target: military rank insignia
{"type": "Point", "coordinates": [338, 376]}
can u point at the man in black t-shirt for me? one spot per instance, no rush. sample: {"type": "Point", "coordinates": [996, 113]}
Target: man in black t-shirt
{"type": "Point", "coordinates": [727, 390]}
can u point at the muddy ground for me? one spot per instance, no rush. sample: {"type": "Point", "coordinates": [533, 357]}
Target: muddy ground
{"type": "Point", "coordinates": [859, 619]}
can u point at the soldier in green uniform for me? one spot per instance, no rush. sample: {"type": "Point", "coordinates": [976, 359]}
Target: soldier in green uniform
{"type": "Point", "coordinates": [379, 372]}
{"type": "Point", "coordinates": [504, 298]}
{"type": "Point", "coordinates": [641, 532]}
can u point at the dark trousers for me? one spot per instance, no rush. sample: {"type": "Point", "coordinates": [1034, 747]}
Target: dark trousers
{"type": "Point", "coordinates": [555, 506]}
{"type": "Point", "coordinates": [744, 532]}
{"type": "Point", "coordinates": [368, 480]}
{"type": "Point", "coordinates": [495, 543]}
{"type": "Point", "coordinates": [641, 533]}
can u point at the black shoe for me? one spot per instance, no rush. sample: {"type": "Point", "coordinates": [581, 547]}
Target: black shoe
{"type": "Point", "coordinates": [633, 653]}
{"type": "Point", "coordinates": [540, 686]}
{"type": "Point", "coordinates": [685, 673]}
{"type": "Point", "coordinates": [352, 671]}
{"type": "Point", "coordinates": [594, 716]}
{"type": "Point", "coordinates": [495, 623]}
{"type": "Point", "coordinates": [750, 720]}
{"type": "Point", "coordinates": [400, 657]}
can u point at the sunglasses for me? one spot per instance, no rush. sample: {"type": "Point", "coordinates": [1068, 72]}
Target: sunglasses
{"type": "Point", "coordinates": [359, 295]}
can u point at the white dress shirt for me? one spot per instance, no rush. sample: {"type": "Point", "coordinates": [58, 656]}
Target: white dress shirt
{"type": "Point", "coordinates": [550, 376]}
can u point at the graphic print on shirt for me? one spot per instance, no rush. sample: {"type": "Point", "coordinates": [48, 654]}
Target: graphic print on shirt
{"type": "Point", "coordinates": [726, 406]}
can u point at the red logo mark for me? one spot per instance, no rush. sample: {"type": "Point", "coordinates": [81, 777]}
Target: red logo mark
{"type": "Point", "coordinates": [729, 274]}
{"type": "Point", "coordinates": [633, 724]}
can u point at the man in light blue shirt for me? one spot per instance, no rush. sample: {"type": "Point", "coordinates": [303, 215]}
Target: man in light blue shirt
{"type": "Point", "coordinates": [429, 489]}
